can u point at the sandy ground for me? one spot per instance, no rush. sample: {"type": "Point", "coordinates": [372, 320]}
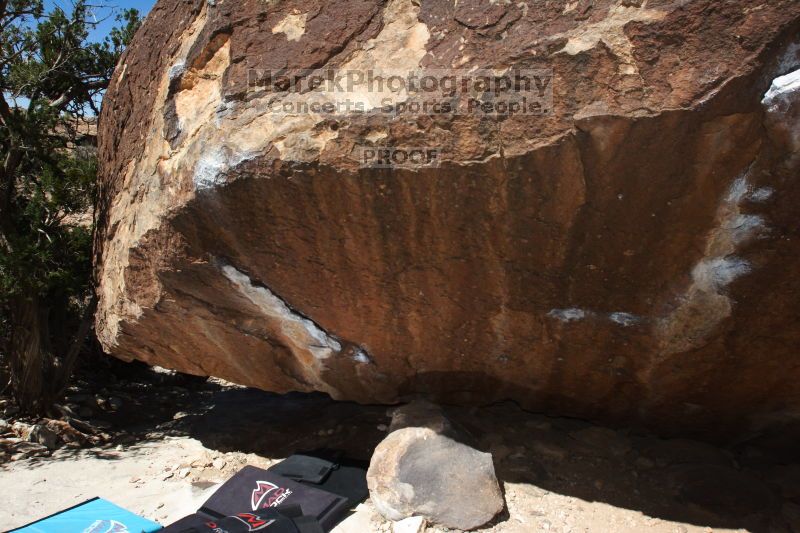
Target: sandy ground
{"type": "Point", "coordinates": [558, 474]}
{"type": "Point", "coordinates": [151, 480]}
{"type": "Point", "coordinates": [132, 477]}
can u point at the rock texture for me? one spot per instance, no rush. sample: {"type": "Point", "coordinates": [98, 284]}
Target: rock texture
{"type": "Point", "coordinates": [417, 471]}
{"type": "Point", "coordinates": [630, 257]}
{"type": "Point", "coordinates": [427, 467]}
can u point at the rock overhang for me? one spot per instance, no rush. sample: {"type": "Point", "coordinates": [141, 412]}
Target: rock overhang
{"type": "Point", "coordinates": [569, 261]}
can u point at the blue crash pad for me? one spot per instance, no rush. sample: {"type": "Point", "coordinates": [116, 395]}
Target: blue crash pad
{"type": "Point", "coordinates": [93, 516]}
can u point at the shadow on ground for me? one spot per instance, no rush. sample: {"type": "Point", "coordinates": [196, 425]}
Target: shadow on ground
{"type": "Point", "coordinates": [676, 479]}
{"type": "Point", "coordinates": [741, 487]}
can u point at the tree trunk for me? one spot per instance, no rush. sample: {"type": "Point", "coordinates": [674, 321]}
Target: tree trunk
{"type": "Point", "coordinates": [71, 359]}
{"type": "Point", "coordinates": [30, 360]}
{"type": "Point", "coordinates": [38, 376]}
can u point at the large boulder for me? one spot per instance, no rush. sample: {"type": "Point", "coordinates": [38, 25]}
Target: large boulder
{"type": "Point", "coordinates": [626, 249]}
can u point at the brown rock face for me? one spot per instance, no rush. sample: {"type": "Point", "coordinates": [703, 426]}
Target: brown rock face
{"type": "Point", "coordinates": [626, 251]}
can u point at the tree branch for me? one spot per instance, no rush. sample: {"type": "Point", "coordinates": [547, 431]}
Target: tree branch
{"type": "Point", "coordinates": [75, 348]}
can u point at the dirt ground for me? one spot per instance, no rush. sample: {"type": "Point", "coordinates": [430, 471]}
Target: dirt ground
{"type": "Point", "coordinates": [171, 441]}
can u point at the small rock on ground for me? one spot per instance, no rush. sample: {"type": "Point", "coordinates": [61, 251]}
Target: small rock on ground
{"type": "Point", "coordinates": [416, 471]}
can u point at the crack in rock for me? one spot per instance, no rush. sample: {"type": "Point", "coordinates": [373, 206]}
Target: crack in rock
{"type": "Point", "coordinates": [301, 333]}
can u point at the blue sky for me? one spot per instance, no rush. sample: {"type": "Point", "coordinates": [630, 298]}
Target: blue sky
{"type": "Point", "coordinates": [106, 14]}
{"type": "Point", "coordinates": [105, 17]}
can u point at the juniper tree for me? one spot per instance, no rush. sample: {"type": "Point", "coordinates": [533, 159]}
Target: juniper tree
{"type": "Point", "coordinates": [52, 79]}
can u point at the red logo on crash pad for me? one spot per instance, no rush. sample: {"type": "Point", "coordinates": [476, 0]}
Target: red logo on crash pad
{"type": "Point", "coordinates": [268, 494]}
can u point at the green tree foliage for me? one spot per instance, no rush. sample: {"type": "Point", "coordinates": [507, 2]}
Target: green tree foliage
{"type": "Point", "coordinates": [52, 80]}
